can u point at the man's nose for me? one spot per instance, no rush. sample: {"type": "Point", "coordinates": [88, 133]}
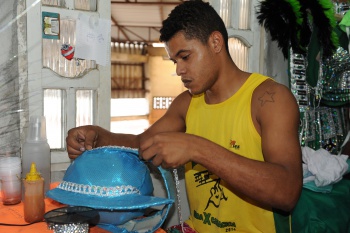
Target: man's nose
{"type": "Point", "coordinates": [180, 69]}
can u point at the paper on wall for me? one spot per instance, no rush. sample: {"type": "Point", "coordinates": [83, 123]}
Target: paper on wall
{"type": "Point", "coordinates": [92, 39]}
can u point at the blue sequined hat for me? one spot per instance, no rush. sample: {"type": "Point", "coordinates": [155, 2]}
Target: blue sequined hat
{"type": "Point", "coordinates": [115, 181]}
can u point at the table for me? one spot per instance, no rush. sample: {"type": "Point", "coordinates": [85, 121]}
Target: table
{"type": "Point", "coordinates": [14, 214]}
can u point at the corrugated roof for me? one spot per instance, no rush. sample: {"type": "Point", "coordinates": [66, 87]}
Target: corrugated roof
{"type": "Point", "coordinates": [139, 20]}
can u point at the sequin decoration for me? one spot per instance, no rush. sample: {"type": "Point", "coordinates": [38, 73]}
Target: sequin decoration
{"type": "Point", "coordinates": [322, 127]}
{"type": "Point", "coordinates": [69, 228]}
{"type": "Point", "coordinates": [299, 87]}
{"type": "Point", "coordinates": [98, 190]}
{"type": "Point", "coordinates": [336, 82]}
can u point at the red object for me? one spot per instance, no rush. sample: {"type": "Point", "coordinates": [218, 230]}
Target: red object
{"type": "Point", "coordinates": [67, 51]}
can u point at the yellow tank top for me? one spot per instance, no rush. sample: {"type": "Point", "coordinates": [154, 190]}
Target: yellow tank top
{"type": "Point", "coordinates": [213, 207]}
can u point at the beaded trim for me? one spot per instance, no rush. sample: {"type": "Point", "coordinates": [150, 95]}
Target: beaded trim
{"type": "Point", "coordinates": [115, 147]}
{"type": "Point", "coordinates": [98, 190]}
{"type": "Point", "coordinates": [70, 227]}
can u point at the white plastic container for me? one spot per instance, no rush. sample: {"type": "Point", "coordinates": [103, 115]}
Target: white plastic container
{"type": "Point", "coordinates": [37, 150]}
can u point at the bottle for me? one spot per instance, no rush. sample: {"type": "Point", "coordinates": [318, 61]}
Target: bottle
{"type": "Point", "coordinates": [37, 150]}
{"type": "Point", "coordinates": [34, 205]}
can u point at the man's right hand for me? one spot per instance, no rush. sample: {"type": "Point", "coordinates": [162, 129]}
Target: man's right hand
{"type": "Point", "coordinates": [80, 139]}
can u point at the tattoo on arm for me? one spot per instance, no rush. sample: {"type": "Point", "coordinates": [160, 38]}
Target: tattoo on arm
{"type": "Point", "coordinates": [266, 97]}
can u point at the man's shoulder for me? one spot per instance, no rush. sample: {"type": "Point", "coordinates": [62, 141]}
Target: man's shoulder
{"type": "Point", "coordinates": [184, 96]}
{"type": "Point", "coordinates": [271, 86]}
{"type": "Point", "coordinates": [270, 95]}
{"type": "Point", "coordinates": [181, 103]}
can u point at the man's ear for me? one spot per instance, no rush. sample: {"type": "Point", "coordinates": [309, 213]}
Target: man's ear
{"type": "Point", "coordinates": [216, 41]}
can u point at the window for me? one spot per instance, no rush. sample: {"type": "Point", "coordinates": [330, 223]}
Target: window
{"type": "Point", "coordinates": [129, 115]}
{"type": "Point", "coordinates": [53, 112]}
{"type": "Point", "coordinates": [239, 53]}
{"type": "Point", "coordinates": [243, 31]}
{"type": "Point", "coordinates": [162, 102]}
{"type": "Point", "coordinates": [84, 107]}
{"type": "Point", "coordinates": [235, 15]}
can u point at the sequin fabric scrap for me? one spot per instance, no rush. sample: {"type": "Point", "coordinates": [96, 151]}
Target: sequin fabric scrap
{"type": "Point", "coordinates": [185, 228]}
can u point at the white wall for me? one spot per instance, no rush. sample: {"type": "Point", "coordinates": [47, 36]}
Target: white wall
{"type": "Point", "coordinates": [275, 65]}
{"type": "Point", "coordinates": [164, 81]}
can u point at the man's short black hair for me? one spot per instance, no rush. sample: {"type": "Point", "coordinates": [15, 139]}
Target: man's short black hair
{"type": "Point", "coordinates": [196, 19]}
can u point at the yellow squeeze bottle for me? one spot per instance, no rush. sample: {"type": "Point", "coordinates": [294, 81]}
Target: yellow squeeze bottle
{"type": "Point", "coordinates": [34, 205]}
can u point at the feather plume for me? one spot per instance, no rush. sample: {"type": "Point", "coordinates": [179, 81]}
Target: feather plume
{"type": "Point", "coordinates": [283, 20]}
{"type": "Point", "coordinates": [322, 14]}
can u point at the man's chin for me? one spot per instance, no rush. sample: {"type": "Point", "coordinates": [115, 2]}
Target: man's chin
{"type": "Point", "coordinates": [194, 92]}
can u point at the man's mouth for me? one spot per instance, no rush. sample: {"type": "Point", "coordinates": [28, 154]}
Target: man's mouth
{"type": "Point", "coordinates": [186, 82]}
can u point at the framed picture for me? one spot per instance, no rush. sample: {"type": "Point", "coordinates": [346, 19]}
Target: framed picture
{"type": "Point", "coordinates": [51, 25]}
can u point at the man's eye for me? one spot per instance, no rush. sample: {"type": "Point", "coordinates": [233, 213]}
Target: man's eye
{"type": "Point", "coordinates": [185, 57]}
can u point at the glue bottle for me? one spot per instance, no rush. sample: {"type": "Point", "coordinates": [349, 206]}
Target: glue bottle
{"type": "Point", "coordinates": [34, 205]}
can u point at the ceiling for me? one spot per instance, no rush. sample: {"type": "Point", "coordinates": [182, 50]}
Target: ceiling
{"type": "Point", "coordinates": [139, 20]}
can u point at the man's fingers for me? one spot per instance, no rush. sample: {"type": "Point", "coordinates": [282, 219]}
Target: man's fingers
{"type": "Point", "coordinates": [74, 139]}
{"type": "Point", "coordinates": [90, 139]}
{"type": "Point", "coordinates": [73, 153]}
{"type": "Point", "coordinates": [149, 154]}
{"type": "Point", "coordinates": [145, 149]}
{"type": "Point", "coordinates": [156, 160]}
{"type": "Point", "coordinates": [76, 142]}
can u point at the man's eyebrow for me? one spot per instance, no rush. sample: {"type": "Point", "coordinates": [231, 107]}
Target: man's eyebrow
{"type": "Point", "coordinates": [181, 51]}
{"type": "Point", "coordinates": [178, 53]}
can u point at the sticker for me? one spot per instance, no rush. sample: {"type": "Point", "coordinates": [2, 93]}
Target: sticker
{"type": "Point", "coordinates": [51, 25]}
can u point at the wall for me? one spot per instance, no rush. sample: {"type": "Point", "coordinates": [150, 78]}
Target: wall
{"type": "Point", "coordinates": [275, 65]}
{"type": "Point", "coordinates": [11, 32]}
{"type": "Point", "coordinates": [163, 82]}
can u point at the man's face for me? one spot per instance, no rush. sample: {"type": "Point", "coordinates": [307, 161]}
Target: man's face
{"type": "Point", "coordinates": [193, 62]}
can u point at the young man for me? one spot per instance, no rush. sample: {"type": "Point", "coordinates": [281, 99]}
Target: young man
{"type": "Point", "coordinates": [235, 132]}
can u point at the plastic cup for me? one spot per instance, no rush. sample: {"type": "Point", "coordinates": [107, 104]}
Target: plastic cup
{"type": "Point", "coordinates": [11, 191]}
{"type": "Point", "coordinates": [10, 176]}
